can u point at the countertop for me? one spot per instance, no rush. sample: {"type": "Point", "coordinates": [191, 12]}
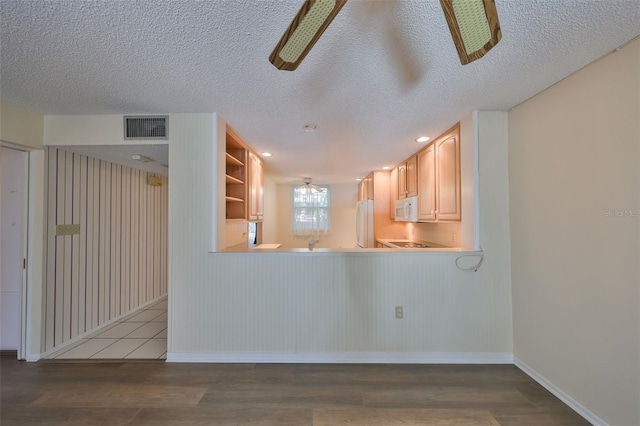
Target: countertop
{"type": "Point", "coordinates": [244, 248]}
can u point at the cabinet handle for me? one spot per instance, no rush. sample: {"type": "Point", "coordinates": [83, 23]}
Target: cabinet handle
{"type": "Point", "coordinates": [436, 212]}
{"type": "Point", "coordinates": [432, 212]}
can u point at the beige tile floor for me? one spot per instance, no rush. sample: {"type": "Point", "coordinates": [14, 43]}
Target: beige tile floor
{"type": "Point", "coordinates": [140, 335]}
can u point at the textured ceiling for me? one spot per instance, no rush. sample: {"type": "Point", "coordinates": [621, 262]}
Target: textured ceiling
{"type": "Point", "coordinates": [383, 73]}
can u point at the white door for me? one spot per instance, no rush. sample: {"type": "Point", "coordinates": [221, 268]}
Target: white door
{"type": "Point", "coordinates": [12, 220]}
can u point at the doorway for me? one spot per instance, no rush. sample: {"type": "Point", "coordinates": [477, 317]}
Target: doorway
{"type": "Point", "coordinates": [13, 209]}
{"type": "Point", "coordinates": [106, 255]}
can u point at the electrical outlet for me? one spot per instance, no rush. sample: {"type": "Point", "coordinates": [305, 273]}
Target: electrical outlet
{"type": "Point", "coordinates": [68, 229]}
{"type": "Point", "coordinates": [399, 313]}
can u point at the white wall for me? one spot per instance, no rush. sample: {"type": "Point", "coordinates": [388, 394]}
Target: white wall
{"type": "Point", "coordinates": [469, 181]}
{"type": "Point", "coordinates": [270, 222]}
{"type": "Point", "coordinates": [343, 218]}
{"type": "Point", "coordinates": [575, 198]}
{"type": "Point", "coordinates": [103, 129]}
{"type": "Point", "coordinates": [328, 306]}
{"type": "Point", "coordinates": [442, 233]}
{"type": "Point", "coordinates": [21, 126]}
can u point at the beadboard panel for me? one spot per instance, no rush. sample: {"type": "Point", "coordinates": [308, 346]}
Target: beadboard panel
{"type": "Point", "coordinates": [118, 260]}
{"type": "Point", "coordinates": [315, 303]}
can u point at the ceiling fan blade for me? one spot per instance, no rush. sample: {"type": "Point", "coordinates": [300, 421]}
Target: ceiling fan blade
{"type": "Point", "coordinates": [474, 27]}
{"type": "Point", "coordinates": [306, 28]}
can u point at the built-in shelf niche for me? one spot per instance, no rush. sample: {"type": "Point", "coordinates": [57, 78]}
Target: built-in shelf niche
{"type": "Point", "coordinates": [236, 179]}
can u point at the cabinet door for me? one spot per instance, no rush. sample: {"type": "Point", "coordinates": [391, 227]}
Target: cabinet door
{"type": "Point", "coordinates": [256, 193]}
{"type": "Point", "coordinates": [427, 184]}
{"type": "Point", "coordinates": [369, 187]}
{"type": "Point", "coordinates": [402, 181]}
{"type": "Point", "coordinates": [364, 189]}
{"type": "Point", "coordinates": [448, 177]}
{"type": "Point", "coordinates": [393, 192]}
{"type": "Point", "coordinates": [412, 176]}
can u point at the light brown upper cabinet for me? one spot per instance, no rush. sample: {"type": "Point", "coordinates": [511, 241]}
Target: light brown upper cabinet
{"type": "Point", "coordinates": [408, 178]}
{"type": "Point", "coordinates": [393, 192]}
{"type": "Point", "coordinates": [365, 188]}
{"type": "Point", "coordinates": [427, 183]}
{"type": "Point", "coordinates": [256, 188]}
{"type": "Point", "coordinates": [448, 176]}
{"type": "Point", "coordinates": [439, 179]}
{"type": "Point", "coordinates": [368, 187]}
{"type": "Point", "coordinates": [412, 176]}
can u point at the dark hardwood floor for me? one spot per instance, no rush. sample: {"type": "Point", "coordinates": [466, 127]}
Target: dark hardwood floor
{"type": "Point", "coordinates": [158, 393]}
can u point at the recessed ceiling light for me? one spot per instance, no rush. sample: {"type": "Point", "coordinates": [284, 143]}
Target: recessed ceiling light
{"type": "Point", "coordinates": [266, 154]}
{"type": "Point", "coordinates": [358, 180]}
{"type": "Point", "coordinates": [310, 127]}
{"type": "Point", "coordinates": [386, 168]}
{"type": "Point", "coordinates": [422, 139]}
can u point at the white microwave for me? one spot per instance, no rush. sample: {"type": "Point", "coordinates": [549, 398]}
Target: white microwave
{"type": "Point", "coordinates": [407, 210]}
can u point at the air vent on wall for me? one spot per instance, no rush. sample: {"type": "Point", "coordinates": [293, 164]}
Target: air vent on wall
{"type": "Point", "coordinates": [146, 127]}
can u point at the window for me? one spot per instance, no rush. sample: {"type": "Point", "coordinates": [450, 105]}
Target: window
{"type": "Point", "coordinates": [310, 209]}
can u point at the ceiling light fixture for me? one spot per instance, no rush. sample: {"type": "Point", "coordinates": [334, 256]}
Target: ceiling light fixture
{"type": "Point", "coordinates": [266, 154]}
{"type": "Point", "coordinates": [310, 127]}
{"type": "Point", "coordinates": [474, 27]}
{"type": "Point", "coordinates": [386, 168]}
{"type": "Point", "coordinates": [358, 179]}
{"type": "Point", "coordinates": [141, 158]}
{"type": "Point", "coordinates": [422, 139]}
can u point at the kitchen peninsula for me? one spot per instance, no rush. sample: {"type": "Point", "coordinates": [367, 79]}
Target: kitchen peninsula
{"type": "Point", "coordinates": [318, 306]}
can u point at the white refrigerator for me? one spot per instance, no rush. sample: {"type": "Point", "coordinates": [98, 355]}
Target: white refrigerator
{"type": "Point", "coordinates": [364, 224]}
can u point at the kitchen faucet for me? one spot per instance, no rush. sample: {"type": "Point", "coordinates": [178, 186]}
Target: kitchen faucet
{"type": "Point", "coordinates": [313, 242]}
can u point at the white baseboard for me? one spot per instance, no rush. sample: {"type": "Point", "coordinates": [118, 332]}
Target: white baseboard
{"type": "Point", "coordinates": [562, 396]}
{"type": "Point", "coordinates": [346, 358]}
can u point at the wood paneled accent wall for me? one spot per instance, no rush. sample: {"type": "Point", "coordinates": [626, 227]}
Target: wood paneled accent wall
{"type": "Point", "coordinates": [118, 262]}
